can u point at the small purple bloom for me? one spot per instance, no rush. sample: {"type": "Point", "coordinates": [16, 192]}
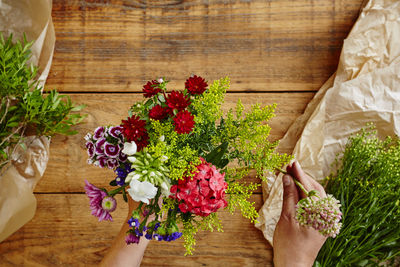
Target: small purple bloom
{"type": "Point", "coordinates": [148, 235]}
{"type": "Point", "coordinates": [115, 131]}
{"type": "Point", "coordinates": [99, 133]}
{"type": "Point", "coordinates": [120, 181]}
{"type": "Point", "coordinates": [132, 239]}
{"type": "Point", "coordinates": [96, 197]}
{"type": "Point", "coordinates": [133, 222]}
{"type": "Point", "coordinates": [121, 172]}
{"type": "Point", "coordinates": [100, 146]}
{"type": "Point", "coordinates": [176, 235]}
{"type": "Point", "coordinates": [111, 150]}
{"type": "Point", "coordinates": [90, 148]}
{"type": "Point", "coordinates": [158, 237]}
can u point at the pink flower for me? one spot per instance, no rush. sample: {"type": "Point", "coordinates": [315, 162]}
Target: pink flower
{"type": "Point", "coordinates": [100, 204]}
{"type": "Point", "coordinates": [202, 194]}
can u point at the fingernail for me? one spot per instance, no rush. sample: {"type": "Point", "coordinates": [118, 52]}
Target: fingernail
{"type": "Point", "coordinates": [286, 180]}
{"type": "Point", "coordinates": [297, 164]}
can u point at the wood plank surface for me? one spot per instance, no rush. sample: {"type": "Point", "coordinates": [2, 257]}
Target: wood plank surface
{"type": "Point", "coordinates": [275, 51]}
{"type": "Point", "coordinates": [262, 45]}
{"type": "Point", "coordinates": [67, 168]}
{"type": "Point", "coordinates": [63, 233]}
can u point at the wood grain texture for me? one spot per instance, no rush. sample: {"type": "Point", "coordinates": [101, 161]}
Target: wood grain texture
{"type": "Point", "coordinates": [63, 233]}
{"type": "Point", "coordinates": [275, 45]}
{"type": "Point", "coordinates": [274, 51]}
{"type": "Point", "coordinates": [67, 167]}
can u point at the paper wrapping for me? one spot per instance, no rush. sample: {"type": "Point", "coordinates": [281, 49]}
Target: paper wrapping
{"type": "Point", "coordinates": [18, 179]}
{"type": "Point", "coordinates": [366, 88]}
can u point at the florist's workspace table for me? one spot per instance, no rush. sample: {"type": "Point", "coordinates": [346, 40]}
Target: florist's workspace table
{"type": "Point", "coordinates": [273, 51]}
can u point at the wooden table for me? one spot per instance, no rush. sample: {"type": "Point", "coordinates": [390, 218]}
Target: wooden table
{"type": "Point", "coordinates": [273, 51]}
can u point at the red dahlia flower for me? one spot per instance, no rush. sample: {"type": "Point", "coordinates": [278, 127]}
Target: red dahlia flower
{"type": "Point", "coordinates": [177, 100]}
{"type": "Point", "coordinates": [151, 88]}
{"type": "Point", "coordinates": [158, 112]}
{"type": "Point", "coordinates": [184, 122]}
{"type": "Point", "coordinates": [204, 193]}
{"type": "Point", "coordinates": [196, 85]}
{"type": "Point", "coordinates": [134, 130]}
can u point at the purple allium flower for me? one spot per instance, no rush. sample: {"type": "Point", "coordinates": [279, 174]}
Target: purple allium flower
{"type": "Point", "coordinates": [322, 214]}
{"type": "Point", "coordinates": [132, 238]}
{"type": "Point", "coordinates": [90, 148]}
{"type": "Point", "coordinates": [115, 131]}
{"type": "Point", "coordinates": [96, 197]}
{"type": "Point", "coordinates": [100, 146]}
{"type": "Point", "coordinates": [111, 150]}
{"type": "Point", "coordinates": [99, 133]}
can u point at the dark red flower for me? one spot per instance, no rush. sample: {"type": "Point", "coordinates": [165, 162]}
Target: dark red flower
{"type": "Point", "coordinates": [177, 100]}
{"type": "Point", "coordinates": [151, 88]}
{"type": "Point", "coordinates": [158, 112]}
{"type": "Point", "coordinates": [196, 85]}
{"type": "Point", "coordinates": [134, 130]}
{"type": "Point", "coordinates": [184, 122]}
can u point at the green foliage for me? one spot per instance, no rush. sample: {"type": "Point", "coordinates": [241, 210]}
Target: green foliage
{"type": "Point", "coordinates": [367, 184]}
{"type": "Point", "coordinates": [23, 106]}
{"type": "Point", "coordinates": [15, 74]}
{"type": "Point", "coordinates": [192, 226]}
{"type": "Point", "coordinates": [239, 195]}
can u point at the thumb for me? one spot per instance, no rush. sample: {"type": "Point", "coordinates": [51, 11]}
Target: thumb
{"type": "Point", "coordinates": [290, 197]}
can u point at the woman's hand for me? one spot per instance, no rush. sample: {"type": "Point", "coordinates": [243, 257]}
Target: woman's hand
{"type": "Point", "coordinates": [295, 245]}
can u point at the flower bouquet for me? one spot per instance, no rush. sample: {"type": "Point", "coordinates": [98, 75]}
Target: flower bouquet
{"type": "Point", "coordinates": [182, 160]}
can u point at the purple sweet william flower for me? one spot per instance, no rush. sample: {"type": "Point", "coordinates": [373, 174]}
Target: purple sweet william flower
{"type": "Point", "coordinates": [100, 146]}
{"type": "Point", "coordinates": [102, 162]}
{"type": "Point", "coordinates": [115, 131]}
{"type": "Point", "coordinates": [112, 163]}
{"type": "Point", "coordinates": [99, 133]}
{"type": "Point", "coordinates": [96, 197]}
{"type": "Point", "coordinates": [90, 148]}
{"type": "Point", "coordinates": [111, 150]}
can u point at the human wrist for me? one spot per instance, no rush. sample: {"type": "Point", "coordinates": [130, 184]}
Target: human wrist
{"type": "Point", "coordinates": [293, 261]}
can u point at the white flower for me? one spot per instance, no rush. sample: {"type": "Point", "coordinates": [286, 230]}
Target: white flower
{"type": "Point", "coordinates": [160, 80]}
{"type": "Point", "coordinates": [163, 158]}
{"type": "Point", "coordinates": [132, 176]}
{"type": "Point", "coordinates": [165, 189]}
{"type": "Point", "coordinates": [142, 191]}
{"type": "Point", "coordinates": [129, 148]}
{"type": "Point", "coordinates": [162, 138]}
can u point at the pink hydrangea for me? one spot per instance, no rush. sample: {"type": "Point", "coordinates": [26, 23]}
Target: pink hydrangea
{"type": "Point", "coordinates": [202, 194]}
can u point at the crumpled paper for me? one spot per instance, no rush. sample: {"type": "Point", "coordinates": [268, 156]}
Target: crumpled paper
{"type": "Point", "coordinates": [366, 88]}
{"type": "Point", "coordinates": [18, 179]}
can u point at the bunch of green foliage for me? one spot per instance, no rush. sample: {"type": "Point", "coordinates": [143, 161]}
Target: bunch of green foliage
{"type": "Point", "coordinates": [22, 104]}
{"type": "Point", "coordinates": [367, 185]}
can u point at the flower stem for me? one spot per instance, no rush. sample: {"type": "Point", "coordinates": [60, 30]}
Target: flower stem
{"type": "Point", "coordinates": [297, 182]}
{"type": "Point", "coordinates": [115, 191]}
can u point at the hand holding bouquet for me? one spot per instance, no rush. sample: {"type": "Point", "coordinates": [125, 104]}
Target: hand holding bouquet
{"type": "Point", "coordinates": [182, 160]}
